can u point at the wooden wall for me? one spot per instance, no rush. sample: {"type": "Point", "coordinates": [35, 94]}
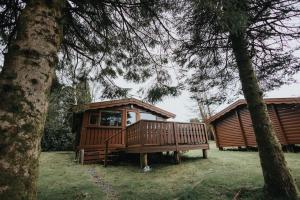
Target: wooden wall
{"type": "Point", "coordinates": [235, 128]}
{"type": "Point", "coordinates": [92, 136]}
{"type": "Point", "coordinates": [228, 132]}
{"type": "Point", "coordinates": [290, 120]}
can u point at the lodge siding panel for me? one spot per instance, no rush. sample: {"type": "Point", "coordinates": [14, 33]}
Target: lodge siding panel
{"type": "Point", "coordinates": [290, 118]}
{"type": "Point", "coordinates": [228, 132]}
{"type": "Point", "coordinates": [277, 124]}
{"type": "Point", "coordinates": [284, 115]}
{"type": "Point", "coordinates": [247, 126]}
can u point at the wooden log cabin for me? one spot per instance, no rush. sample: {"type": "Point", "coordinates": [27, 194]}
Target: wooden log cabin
{"type": "Point", "coordinates": [132, 126]}
{"type": "Point", "coordinates": [233, 125]}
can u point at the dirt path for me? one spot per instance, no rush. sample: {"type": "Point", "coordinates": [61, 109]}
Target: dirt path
{"type": "Point", "coordinates": [111, 194]}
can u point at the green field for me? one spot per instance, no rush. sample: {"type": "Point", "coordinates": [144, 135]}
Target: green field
{"type": "Point", "coordinates": [222, 176]}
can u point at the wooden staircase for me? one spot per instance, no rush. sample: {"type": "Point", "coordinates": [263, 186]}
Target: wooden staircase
{"type": "Point", "coordinates": [89, 156]}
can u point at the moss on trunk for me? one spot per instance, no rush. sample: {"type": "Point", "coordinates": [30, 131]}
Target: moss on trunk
{"type": "Point", "coordinates": [279, 183]}
{"type": "Point", "coordinates": [24, 85]}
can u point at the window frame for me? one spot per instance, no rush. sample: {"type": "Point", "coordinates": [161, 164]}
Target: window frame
{"type": "Point", "coordinates": [99, 112]}
{"type": "Point", "coordinates": [137, 116]}
{"type": "Point", "coordinates": [112, 111]}
{"type": "Point", "coordinates": [98, 121]}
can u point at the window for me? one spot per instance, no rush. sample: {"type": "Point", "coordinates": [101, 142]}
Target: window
{"type": "Point", "coordinates": [131, 118]}
{"type": "Point", "coordinates": [147, 116]}
{"type": "Point", "coordinates": [94, 118]}
{"type": "Point", "coordinates": [111, 118]}
{"type": "Point", "coordinates": [160, 119]}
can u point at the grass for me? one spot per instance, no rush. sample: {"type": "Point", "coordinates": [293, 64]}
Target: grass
{"type": "Point", "coordinates": [60, 178]}
{"type": "Point", "coordinates": [222, 176]}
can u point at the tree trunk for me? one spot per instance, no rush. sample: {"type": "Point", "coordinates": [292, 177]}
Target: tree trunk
{"type": "Point", "coordinates": [24, 86]}
{"type": "Point", "coordinates": [279, 182]}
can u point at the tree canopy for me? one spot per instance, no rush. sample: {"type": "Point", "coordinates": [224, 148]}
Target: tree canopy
{"type": "Point", "coordinates": [112, 38]}
{"type": "Point", "coordinates": [245, 40]}
{"type": "Point", "coordinates": [271, 30]}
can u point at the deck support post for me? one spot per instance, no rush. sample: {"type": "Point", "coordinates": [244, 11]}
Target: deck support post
{"type": "Point", "coordinates": [106, 153]}
{"type": "Point", "coordinates": [143, 160]}
{"type": "Point", "coordinates": [76, 155]}
{"type": "Point", "coordinates": [204, 151]}
{"type": "Point", "coordinates": [291, 148]}
{"type": "Point", "coordinates": [177, 157]}
{"type": "Point", "coordinates": [81, 156]}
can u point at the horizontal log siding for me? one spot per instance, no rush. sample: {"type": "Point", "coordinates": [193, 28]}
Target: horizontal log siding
{"type": "Point", "coordinates": [247, 125]}
{"type": "Point", "coordinates": [276, 124]}
{"type": "Point", "coordinates": [229, 133]}
{"type": "Point", "coordinates": [290, 118]}
{"type": "Point", "coordinates": [286, 125]}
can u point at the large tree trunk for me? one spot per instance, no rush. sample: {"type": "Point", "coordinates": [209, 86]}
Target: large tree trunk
{"type": "Point", "coordinates": [279, 182]}
{"type": "Point", "coordinates": [24, 86]}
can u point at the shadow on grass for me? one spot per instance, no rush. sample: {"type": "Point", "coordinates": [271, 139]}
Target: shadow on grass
{"type": "Point", "coordinates": [154, 159]}
{"type": "Point", "coordinates": [207, 191]}
{"type": "Point", "coordinates": [286, 148]}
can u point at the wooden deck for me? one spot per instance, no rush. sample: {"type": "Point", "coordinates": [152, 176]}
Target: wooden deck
{"type": "Point", "coordinates": [145, 136]}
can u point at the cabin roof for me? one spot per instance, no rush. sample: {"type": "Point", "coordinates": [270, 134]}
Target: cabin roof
{"type": "Point", "coordinates": [242, 102]}
{"type": "Point", "coordinates": [122, 102]}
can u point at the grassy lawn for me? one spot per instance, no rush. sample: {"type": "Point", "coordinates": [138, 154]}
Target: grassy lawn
{"type": "Point", "coordinates": [61, 179]}
{"type": "Point", "coordinates": [222, 176]}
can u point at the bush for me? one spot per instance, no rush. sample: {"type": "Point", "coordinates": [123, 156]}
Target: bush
{"type": "Point", "coordinates": [57, 140]}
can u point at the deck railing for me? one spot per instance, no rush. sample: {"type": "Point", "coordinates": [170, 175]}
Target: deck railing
{"type": "Point", "coordinates": [161, 133]}
{"type": "Point", "coordinates": [148, 132]}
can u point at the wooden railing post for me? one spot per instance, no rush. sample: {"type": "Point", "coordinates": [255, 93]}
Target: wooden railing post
{"type": "Point", "coordinates": [126, 137]}
{"type": "Point", "coordinates": [205, 133]}
{"type": "Point", "coordinates": [142, 134]}
{"type": "Point", "coordinates": [175, 133]}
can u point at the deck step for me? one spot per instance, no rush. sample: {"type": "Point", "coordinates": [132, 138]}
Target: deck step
{"type": "Point", "coordinates": [98, 155]}
{"type": "Point", "coordinates": [107, 160]}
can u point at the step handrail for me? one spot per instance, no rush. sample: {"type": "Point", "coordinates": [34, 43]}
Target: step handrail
{"type": "Point", "coordinates": [107, 143]}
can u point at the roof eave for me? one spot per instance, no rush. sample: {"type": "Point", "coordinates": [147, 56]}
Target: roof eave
{"type": "Point", "coordinates": [240, 102]}
{"type": "Point", "coordinates": [121, 102]}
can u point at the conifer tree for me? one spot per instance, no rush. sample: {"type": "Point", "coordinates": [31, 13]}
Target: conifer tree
{"type": "Point", "coordinates": [246, 40]}
{"type": "Point", "coordinates": [115, 36]}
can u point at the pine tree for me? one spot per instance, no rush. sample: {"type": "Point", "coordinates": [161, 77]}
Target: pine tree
{"type": "Point", "coordinates": [113, 35]}
{"type": "Point", "coordinates": [245, 39]}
